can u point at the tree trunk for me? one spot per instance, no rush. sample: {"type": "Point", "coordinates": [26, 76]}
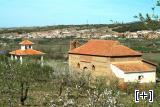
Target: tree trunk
{"type": "Point", "coordinates": [24, 92]}
{"type": "Point", "coordinates": [10, 102]}
{"type": "Point", "coordinates": [61, 87]}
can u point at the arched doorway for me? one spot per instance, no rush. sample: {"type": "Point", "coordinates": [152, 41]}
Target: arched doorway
{"type": "Point", "coordinates": [85, 69]}
{"type": "Point", "coordinates": [93, 68]}
{"type": "Point", "coordinates": [78, 65]}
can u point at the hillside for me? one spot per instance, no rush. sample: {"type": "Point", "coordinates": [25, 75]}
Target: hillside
{"type": "Point", "coordinates": [117, 27]}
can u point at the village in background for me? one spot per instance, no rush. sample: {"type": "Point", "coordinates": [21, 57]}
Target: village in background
{"type": "Point", "coordinates": [98, 31]}
{"type": "Point", "coordinates": [90, 65]}
{"type": "Point", "coordinates": [52, 85]}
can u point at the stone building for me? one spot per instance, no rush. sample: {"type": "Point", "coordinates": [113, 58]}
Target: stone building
{"type": "Point", "coordinates": [111, 59]}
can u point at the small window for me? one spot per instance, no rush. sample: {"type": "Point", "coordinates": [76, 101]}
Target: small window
{"type": "Point", "coordinates": [29, 46]}
{"type": "Point", "coordinates": [78, 65]}
{"type": "Point", "coordinates": [140, 77]}
{"type": "Point", "coordinates": [93, 68]}
{"type": "Point", "coordinates": [85, 69]}
{"type": "Point", "coordinates": [25, 47]}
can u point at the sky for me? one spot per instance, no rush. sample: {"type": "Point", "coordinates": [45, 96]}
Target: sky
{"type": "Point", "coordinates": [24, 13]}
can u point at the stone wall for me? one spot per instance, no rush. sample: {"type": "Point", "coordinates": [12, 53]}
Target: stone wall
{"type": "Point", "coordinates": [98, 66]}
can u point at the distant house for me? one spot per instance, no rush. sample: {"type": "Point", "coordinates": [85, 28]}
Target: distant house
{"type": "Point", "coordinates": [111, 59]}
{"type": "Point", "coordinates": [26, 50]}
{"type": "Point", "coordinates": [105, 36]}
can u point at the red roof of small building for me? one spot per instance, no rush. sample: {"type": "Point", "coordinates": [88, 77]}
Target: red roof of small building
{"type": "Point", "coordinates": [26, 42]}
{"type": "Point", "coordinates": [26, 52]}
{"type": "Point", "coordinates": [133, 66]}
{"type": "Point", "coordinates": [104, 48]}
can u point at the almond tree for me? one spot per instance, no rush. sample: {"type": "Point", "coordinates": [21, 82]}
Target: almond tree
{"type": "Point", "coordinates": [24, 75]}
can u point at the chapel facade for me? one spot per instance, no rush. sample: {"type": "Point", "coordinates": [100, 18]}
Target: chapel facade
{"type": "Point", "coordinates": [111, 59]}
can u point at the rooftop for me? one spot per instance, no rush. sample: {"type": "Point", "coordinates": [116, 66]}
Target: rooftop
{"type": "Point", "coordinates": [133, 66]}
{"type": "Point", "coordinates": [26, 52]}
{"type": "Point", "coordinates": [26, 42]}
{"type": "Point", "coordinates": [104, 48]}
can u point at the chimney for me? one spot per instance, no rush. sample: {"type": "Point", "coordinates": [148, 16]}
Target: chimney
{"type": "Point", "coordinates": [77, 44]}
{"type": "Point", "coordinates": [74, 44]}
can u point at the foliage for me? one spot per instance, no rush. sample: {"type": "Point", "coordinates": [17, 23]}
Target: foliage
{"type": "Point", "coordinates": [18, 77]}
{"type": "Point", "coordinates": [46, 83]}
{"type": "Point", "coordinates": [149, 22]}
{"type": "Point", "coordinates": [132, 27]}
{"type": "Point", "coordinates": [158, 3]}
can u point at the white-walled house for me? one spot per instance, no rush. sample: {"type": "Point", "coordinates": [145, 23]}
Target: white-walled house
{"type": "Point", "coordinates": [134, 71]}
{"type": "Point", "coordinates": [25, 50]}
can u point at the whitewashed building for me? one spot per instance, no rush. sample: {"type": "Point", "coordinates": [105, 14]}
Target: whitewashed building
{"type": "Point", "coordinates": [25, 50]}
{"type": "Point", "coordinates": [134, 71]}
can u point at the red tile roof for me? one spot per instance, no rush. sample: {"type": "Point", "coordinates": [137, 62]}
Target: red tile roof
{"type": "Point", "coordinates": [104, 48]}
{"type": "Point", "coordinates": [26, 52]}
{"type": "Point", "coordinates": [133, 66]}
{"type": "Point", "coordinates": [26, 42]}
